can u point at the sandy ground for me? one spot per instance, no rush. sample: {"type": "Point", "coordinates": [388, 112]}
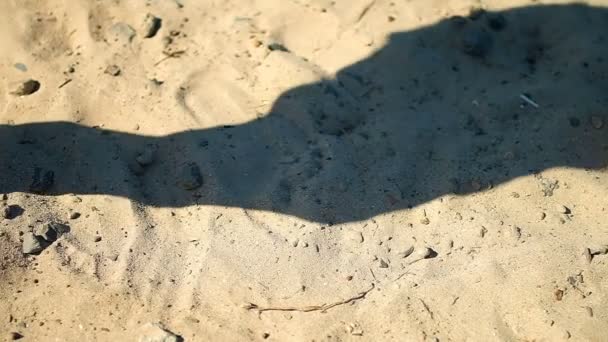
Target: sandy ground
{"type": "Point", "coordinates": [303, 170]}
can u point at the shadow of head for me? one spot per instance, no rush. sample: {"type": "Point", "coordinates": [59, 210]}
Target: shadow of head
{"type": "Point", "coordinates": [455, 107]}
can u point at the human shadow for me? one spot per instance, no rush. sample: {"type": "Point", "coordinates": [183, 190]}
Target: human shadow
{"type": "Point", "coordinates": [435, 111]}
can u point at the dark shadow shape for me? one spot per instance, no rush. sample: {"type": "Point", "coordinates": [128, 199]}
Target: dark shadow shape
{"type": "Point", "coordinates": [418, 119]}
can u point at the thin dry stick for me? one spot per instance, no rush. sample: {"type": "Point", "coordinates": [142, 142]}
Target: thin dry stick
{"type": "Point", "coordinates": [322, 308]}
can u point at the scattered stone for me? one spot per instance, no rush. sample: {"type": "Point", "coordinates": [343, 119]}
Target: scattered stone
{"type": "Point", "coordinates": [567, 334]}
{"type": "Point", "coordinates": [112, 70]}
{"type": "Point", "coordinates": [33, 244]}
{"type": "Point", "coordinates": [597, 122]}
{"type": "Point", "coordinates": [150, 26]}
{"type": "Point", "coordinates": [355, 236]}
{"type": "Point", "coordinates": [407, 252]}
{"type": "Point", "coordinates": [25, 87]}
{"type": "Point", "coordinates": [542, 215]}
{"type": "Point", "coordinates": [295, 242]}
{"type": "Point", "coordinates": [154, 332]}
{"type": "Point", "coordinates": [265, 335]}
{"type": "Point", "coordinates": [589, 311]}
{"type": "Point", "coordinates": [97, 239]}
{"type": "Point", "coordinates": [190, 177]}
{"type": "Point", "coordinates": [562, 209]}
{"type": "Point", "coordinates": [305, 244]}
{"type": "Point", "coordinates": [51, 231]}
{"type": "Point", "coordinates": [425, 221]}
{"type": "Point", "coordinates": [42, 181]}
{"type": "Point", "coordinates": [14, 336]}
{"type": "Point", "coordinates": [383, 264]}
{"type": "Point", "coordinates": [74, 215]}
{"type": "Point", "coordinates": [477, 42]}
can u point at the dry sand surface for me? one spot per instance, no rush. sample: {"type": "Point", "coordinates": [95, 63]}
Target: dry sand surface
{"type": "Point", "coordinates": [303, 170]}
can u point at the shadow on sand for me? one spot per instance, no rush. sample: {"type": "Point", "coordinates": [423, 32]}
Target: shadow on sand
{"type": "Point", "coordinates": [435, 111]}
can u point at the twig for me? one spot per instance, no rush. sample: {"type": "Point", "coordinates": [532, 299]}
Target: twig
{"type": "Point", "coordinates": [168, 55]}
{"type": "Point", "coordinates": [64, 83]}
{"type": "Point", "coordinates": [529, 100]}
{"type": "Point", "coordinates": [322, 308]}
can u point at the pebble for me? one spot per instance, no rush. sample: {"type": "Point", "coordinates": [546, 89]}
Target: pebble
{"type": "Point", "coordinates": [383, 264]}
{"type": "Point", "coordinates": [477, 42]}
{"type": "Point", "coordinates": [295, 242]}
{"type": "Point", "coordinates": [425, 221]}
{"type": "Point", "coordinates": [33, 244]}
{"type": "Point", "coordinates": [154, 332]}
{"type": "Point", "coordinates": [51, 231]}
{"type": "Point", "coordinates": [25, 87]}
{"type": "Point", "coordinates": [559, 294]}
{"type": "Point", "coordinates": [42, 180]}
{"type": "Point", "coordinates": [112, 70]}
{"type": "Point", "coordinates": [150, 26]}
{"type": "Point", "coordinates": [597, 122]}
{"type": "Point", "coordinates": [190, 177]}
{"type": "Point", "coordinates": [562, 209]}
{"type": "Point", "coordinates": [356, 236]}
{"type": "Point", "coordinates": [589, 311]}
{"type": "Point", "coordinates": [542, 215]}
{"type": "Point", "coordinates": [74, 215]}
{"type": "Point", "coordinates": [97, 239]}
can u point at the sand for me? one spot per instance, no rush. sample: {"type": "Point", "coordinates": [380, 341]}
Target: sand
{"type": "Point", "coordinates": [303, 170]}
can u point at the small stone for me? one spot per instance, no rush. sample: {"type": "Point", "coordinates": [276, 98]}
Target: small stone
{"type": "Point", "coordinates": [574, 122]}
{"type": "Point", "coordinates": [597, 122]}
{"type": "Point", "coordinates": [349, 278]}
{"type": "Point", "coordinates": [265, 335]}
{"type": "Point", "coordinates": [483, 231]}
{"type": "Point", "coordinates": [190, 177]}
{"type": "Point", "coordinates": [42, 181]}
{"type": "Point", "coordinates": [587, 255]}
{"type": "Point", "coordinates": [567, 334]}
{"type": "Point", "coordinates": [599, 250]}
{"type": "Point", "coordinates": [277, 47]}
{"type": "Point", "coordinates": [25, 87]}
{"type": "Point", "coordinates": [558, 294]}
{"type": "Point", "coordinates": [74, 215]}
{"type": "Point", "coordinates": [562, 209]}
{"type": "Point", "coordinates": [589, 311]}
{"type": "Point", "coordinates": [112, 70]}
{"type": "Point", "coordinates": [97, 239]}
{"type": "Point", "coordinates": [305, 244]}
{"type": "Point", "coordinates": [356, 237]}
{"type": "Point", "coordinates": [154, 332]}
{"type": "Point", "coordinates": [295, 242]}
{"type": "Point", "coordinates": [426, 253]}
{"type": "Point", "coordinates": [516, 231]}
{"type": "Point", "coordinates": [407, 252]}
{"type": "Point", "coordinates": [14, 336]}
{"type": "Point", "coordinates": [542, 215]}
{"type": "Point", "coordinates": [383, 264]}
{"type": "Point", "coordinates": [146, 157]}
{"type": "Point", "coordinates": [425, 221]}
{"type": "Point", "coordinates": [33, 244]}
{"type": "Point", "coordinates": [477, 42]}
{"type": "Point", "coordinates": [150, 26]}
{"type": "Point", "coordinates": [122, 33]}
